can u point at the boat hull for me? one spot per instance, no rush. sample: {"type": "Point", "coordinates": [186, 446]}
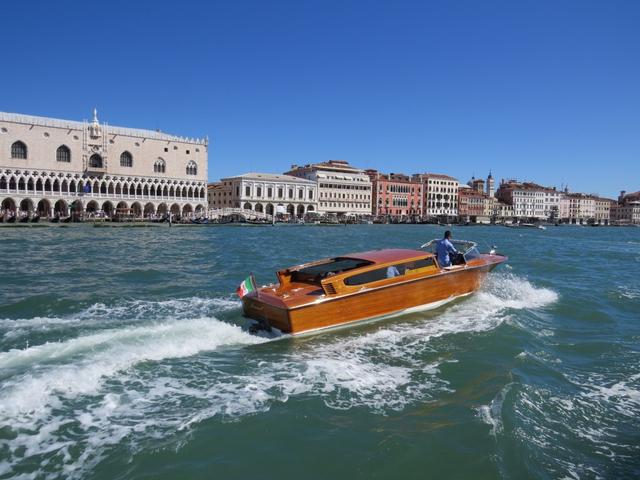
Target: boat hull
{"type": "Point", "coordinates": [333, 311]}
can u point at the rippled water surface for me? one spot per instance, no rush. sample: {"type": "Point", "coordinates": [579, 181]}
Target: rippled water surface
{"type": "Point", "coordinates": [123, 354]}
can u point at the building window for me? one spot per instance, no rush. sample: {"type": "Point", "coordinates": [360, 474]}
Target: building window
{"type": "Point", "coordinates": [95, 161]}
{"type": "Point", "coordinates": [269, 192]}
{"type": "Point", "coordinates": [188, 152]}
{"type": "Point", "coordinates": [247, 191]}
{"type": "Point", "coordinates": [166, 149]}
{"type": "Point", "coordinates": [192, 168]}
{"type": "Point", "coordinates": [63, 154]}
{"type": "Point", "coordinates": [159, 166]}
{"type": "Point", "coordinates": [19, 150]}
{"type": "Point", "coordinates": [126, 160]}
{"type": "Point", "coordinates": [259, 191]}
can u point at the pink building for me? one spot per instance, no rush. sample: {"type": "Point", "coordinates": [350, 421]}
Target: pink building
{"type": "Point", "coordinates": [395, 194]}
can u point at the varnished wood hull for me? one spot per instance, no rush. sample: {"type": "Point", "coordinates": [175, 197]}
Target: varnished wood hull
{"type": "Point", "coordinates": [333, 311]}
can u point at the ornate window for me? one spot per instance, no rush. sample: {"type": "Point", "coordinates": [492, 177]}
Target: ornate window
{"type": "Point", "coordinates": [126, 160]}
{"type": "Point", "coordinates": [95, 161]}
{"type": "Point", "coordinates": [160, 166]}
{"type": "Point", "coordinates": [192, 168]}
{"type": "Point", "coordinates": [19, 150]}
{"type": "Point", "coordinates": [63, 154]}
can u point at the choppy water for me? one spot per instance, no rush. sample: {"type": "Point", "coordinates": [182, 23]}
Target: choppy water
{"type": "Point", "coordinates": [123, 354]}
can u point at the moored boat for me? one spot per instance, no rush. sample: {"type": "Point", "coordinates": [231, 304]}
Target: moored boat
{"type": "Point", "coordinates": [362, 286]}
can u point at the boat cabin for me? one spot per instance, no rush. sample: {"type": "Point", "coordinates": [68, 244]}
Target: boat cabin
{"type": "Point", "coordinates": [360, 270]}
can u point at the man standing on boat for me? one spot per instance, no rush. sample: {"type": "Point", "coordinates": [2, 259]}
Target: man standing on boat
{"type": "Point", "coordinates": [445, 248]}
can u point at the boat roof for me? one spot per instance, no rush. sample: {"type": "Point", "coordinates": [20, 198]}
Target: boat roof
{"type": "Point", "coordinates": [387, 255]}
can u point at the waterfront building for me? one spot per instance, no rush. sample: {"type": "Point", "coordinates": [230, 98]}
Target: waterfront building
{"type": "Point", "coordinates": [218, 195]}
{"type": "Point", "coordinates": [629, 213]}
{"type": "Point", "coordinates": [342, 189]}
{"type": "Point", "coordinates": [627, 210]}
{"type": "Point", "coordinates": [501, 211]}
{"type": "Point", "coordinates": [472, 204]}
{"type": "Point", "coordinates": [577, 208]}
{"type": "Point", "coordinates": [603, 210]}
{"type": "Point", "coordinates": [580, 208]}
{"type": "Point", "coordinates": [60, 167]}
{"type": "Point", "coordinates": [264, 192]}
{"type": "Point", "coordinates": [395, 194]}
{"type": "Point", "coordinates": [530, 200]}
{"type": "Point", "coordinates": [440, 194]}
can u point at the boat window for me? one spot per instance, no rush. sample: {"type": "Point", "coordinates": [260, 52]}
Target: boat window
{"type": "Point", "coordinates": [391, 271]}
{"type": "Point", "coordinates": [471, 254]}
{"type": "Point", "coordinates": [315, 273]}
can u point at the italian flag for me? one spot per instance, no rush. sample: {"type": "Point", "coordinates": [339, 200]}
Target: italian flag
{"type": "Point", "coordinates": [248, 285]}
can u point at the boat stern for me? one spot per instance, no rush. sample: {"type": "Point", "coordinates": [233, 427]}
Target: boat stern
{"type": "Point", "coordinates": [263, 307]}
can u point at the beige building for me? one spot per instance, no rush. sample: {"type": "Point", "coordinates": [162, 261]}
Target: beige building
{"type": "Point", "coordinates": [342, 189]}
{"type": "Point", "coordinates": [264, 193]}
{"type": "Point", "coordinates": [579, 208]}
{"type": "Point", "coordinates": [60, 167]}
{"type": "Point", "coordinates": [627, 210]}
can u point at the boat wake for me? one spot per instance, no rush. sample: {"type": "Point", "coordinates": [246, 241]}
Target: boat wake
{"type": "Point", "coordinates": [127, 375]}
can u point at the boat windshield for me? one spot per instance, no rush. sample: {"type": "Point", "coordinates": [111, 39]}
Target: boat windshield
{"type": "Point", "coordinates": [315, 273]}
{"type": "Point", "coordinates": [468, 249]}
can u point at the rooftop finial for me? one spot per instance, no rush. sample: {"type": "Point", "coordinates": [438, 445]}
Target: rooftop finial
{"type": "Point", "coordinates": [95, 115]}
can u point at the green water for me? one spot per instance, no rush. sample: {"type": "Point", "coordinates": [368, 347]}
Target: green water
{"type": "Point", "coordinates": [123, 354]}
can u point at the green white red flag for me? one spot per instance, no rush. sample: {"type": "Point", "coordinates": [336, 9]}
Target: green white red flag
{"type": "Point", "coordinates": [248, 285]}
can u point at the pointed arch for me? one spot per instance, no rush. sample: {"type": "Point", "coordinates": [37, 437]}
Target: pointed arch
{"type": "Point", "coordinates": [95, 161]}
{"type": "Point", "coordinates": [63, 154]}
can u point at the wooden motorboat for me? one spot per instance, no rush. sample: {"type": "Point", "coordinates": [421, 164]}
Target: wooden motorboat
{"type": "Point", "coordinates": [362, 286]}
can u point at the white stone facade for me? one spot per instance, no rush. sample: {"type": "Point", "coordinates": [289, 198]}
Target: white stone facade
{"type": "Point", "coordinates": [342, 189]}
{"type": "Point", "coordinates": [56, 167]}
{"type": "Point", "coordinates": [264, 193]}
{"type": "Point", "coordinates": [530, 200]}
{"type": "Point", "coordinates": [440, 194]}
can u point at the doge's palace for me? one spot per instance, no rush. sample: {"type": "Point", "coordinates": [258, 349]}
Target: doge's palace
{"type": "Point", "coordinates": [58, 168]}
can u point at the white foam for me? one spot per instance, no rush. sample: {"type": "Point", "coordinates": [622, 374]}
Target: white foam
{"type": "Point", "coordinates": [98, 356]}
{"type": "Point", "coordinates": [491, 414]}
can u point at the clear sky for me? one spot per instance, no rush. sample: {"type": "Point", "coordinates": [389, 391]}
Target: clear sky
{"type": "Point", "coordinates": [538, 90]}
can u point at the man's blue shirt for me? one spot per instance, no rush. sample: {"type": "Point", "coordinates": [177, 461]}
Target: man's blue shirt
{"type": "Point", "coordinates": [443, 249]}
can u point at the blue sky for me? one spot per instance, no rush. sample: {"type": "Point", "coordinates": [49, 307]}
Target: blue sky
{"type": "Point", "coordinates": [538, 90]}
